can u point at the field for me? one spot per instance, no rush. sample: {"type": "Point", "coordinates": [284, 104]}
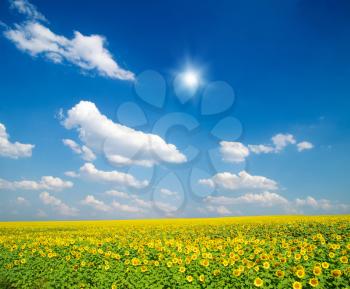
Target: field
{"type": "Point", "coordinates": [246, 252]}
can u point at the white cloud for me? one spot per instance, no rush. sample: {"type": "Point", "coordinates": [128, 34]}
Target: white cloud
{"type": "Point", "coordinates": [126, 208]}
{"type": "Point", "coordinates": [282, 140]}
{"type": "Point", "coordinates": [304, 145]}
{"type": "Point", "coordinates": [265, 199]}
{"type": "Point", "coordinates": [273, 200]}
{"type": "Point", "coordinates": [242, 180]}
{"type": "Point", "coordinates": [41, 214]}
{"type": "Point", "coordinates": [316, 204]}
{"type": "Point", "coordinates": [261, 149]}
{"type": "Point", "coordinates": [57, 204]}
{"type": "Point", "coordinates": [120, 144]}
{"type": "Point", "coordinates": [22, 201]}
{"type": "Point", "coordinates": [234, 152]}
{"type": "Point", "coordinates": [220, 210]}
{"type": "Point", "coordinates": [84, 151]}
{"type": "Point", "coordinates": [89, 171]}
{"type": "Point", "coordinates": [87, 52]}
{"type": "Point", "coordinates": [113, 208]}
{"type": "Point", "coordinates": [96, 204]}
{"type": "Point", "coordinates": [26, 8]}
{"type": "Point", "coordinates": [119, 194]}
{"type": "Point", "coordinates": [168, 193]}
{"type": "Point", "coordinates": [71, 174]}
{"type": "Point", "coordinates": [13, 150]}
{"type": "Point", "coordinates": [46, 183]}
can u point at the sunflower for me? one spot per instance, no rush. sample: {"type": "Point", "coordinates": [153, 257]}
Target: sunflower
{"type": "Point", "coordinates": [297, 285]}
{"type": "Point", "coordinates": [266, 265]}
{"type": "Point", "coordinates": [189, 278]}
{"type": "Point", "coordinates": [313, 282]}
{"type": "Point", "coordinates": [325, 265]}
{"type": "Point", "coordinates": [317, 270]}
{"type": "Point", "coordinates": [300, 273]}
{"type": "Point", "coordinates": [258, 282]}
{"type": "Point", "coordinates": [344, 259]}
{"type": "Point", "coordinates": [279, 273]}
{"type": "Point", "coordinates": [201, 278]}
{"type": "Point", "coordinates": [336, 273]}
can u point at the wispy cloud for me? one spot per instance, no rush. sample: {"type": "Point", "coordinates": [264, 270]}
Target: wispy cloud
{"type": "Point", "coordinates": [27, 9]}
{"type": "Point", "coordinates": [86, 153]}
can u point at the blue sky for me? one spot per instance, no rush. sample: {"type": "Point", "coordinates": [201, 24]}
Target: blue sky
{"type": "Point", "coordinates": [173, 109]}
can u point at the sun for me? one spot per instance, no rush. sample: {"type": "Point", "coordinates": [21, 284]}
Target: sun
{"type": "Point", "coordinates": [190, 78]}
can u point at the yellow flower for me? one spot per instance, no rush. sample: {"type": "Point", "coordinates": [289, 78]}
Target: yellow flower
{"type": "Point", "coordinates": [258, 282]}
{"type": "Point", "coordinates": [205, 262]}
{"type": "Point", "coordinates": [266, 265]}
{"type": "Point", "coordinates": [114, 286]}
{"type": "Point", "coordinates": [279, 274]}
{"type": "Point", "coordinates": [182, 269]}
{"type": "Point", "coordinates": [143, 269]}
{"type": "Point", "coordinates": [297, 285]}
{"type": "Point", "coordinates": [216, 272]}
{"type": "Point", "coordinates": [237, 272]}
{"type": "Point", "coordinates": [300, 273]}
{"type": "Point", "coordinates": [297, 257]}
{"type": "Point", "coordinates": [325, 265]}
{"type": "Point", "coordinates": [189, 278]}
{"type": "Point", "coordinates": [344, 259]}
{"type": "Point", "coordinates": [317, 270]}
{"type": "Point", "coordinates": [313, 282]}
{"type": "Point", "coordinates": [331, 255]}
{"type": "Point", "coordinates": [201, 278]}
{"type": "Point", "coordinates": [336, 273]}
{"type": "Point", "coordinates": [135, 262]}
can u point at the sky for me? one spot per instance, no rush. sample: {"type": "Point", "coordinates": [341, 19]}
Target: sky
{"type": "Point", "coordinates": [162, 109]}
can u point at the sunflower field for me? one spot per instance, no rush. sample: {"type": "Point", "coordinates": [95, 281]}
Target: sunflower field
{"type": "Point", "coordinates": [243, 252]}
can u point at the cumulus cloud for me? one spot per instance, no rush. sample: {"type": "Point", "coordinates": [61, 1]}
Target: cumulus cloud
{"type": "Point", "coordinates": [115, 206]}
{"type": "Point", "coordinates": [279, 142]}
{"type": "Point", "coordinates": [96, 204]}
{"type": "Point", "coordinates": [88, 52]}
{"type": "Point", "coordinates": [26, 8]}
{"type": "Point", "coordinates": [274, 200]}
{"type": "Point", "coordinates": [282, 140]}
{"type": "Point", "coordinates": [46, 183]}
{"type": "Point", "coordinates": [261, 149]}
{"type": "Point", "coordinates": [125, 208]}
{"type": "Point", "coordinates": [13, 150]}
{"type": "Point", "coordinates": [84, 151]}
{"type": "Point", "coordinates": [219, 210]}
{"type": "Point", "coordinates": [168, 193]}
{"type": "Point", "coordinates": [316, 204]}
{"type": "Point", "coordinates": [58, 205]}
{"type": "Point", "coordinates": [234, 152]}
{"type": "Point", "coordinates": [89, 171]}
{"type": "Point", "coordinates": [119, 194]}
{"type": "Point", "coordinates": [120, 144]}
{"type": "Point", "coordinates": [265, 199]}
{"type": "Point", "coordinates": [22, 201]}
{"type": "Point", "coordinates": [241, 181]}
{"type": "Point", "coordinates": [304, 145]}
